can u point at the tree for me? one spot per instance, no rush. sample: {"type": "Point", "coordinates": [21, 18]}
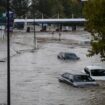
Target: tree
{"type": "Point", "coordinates": [20, 7]}
{"type": "Point", "coordinates": [44, 7]}
{"type": "Point", "coordinates": [2, 6]}
{"type": "Point", "coordinates": [77, 8]}
{"type": "Point", "coordinates": [67, 8]}
{"type": "Point", "coordinates": [50, 8]}
{"type": "Point", "coordinates": [58, 8]}
{"type": "Point", "coordinates": [71, 8]}
{"type": "Point", "coordinates": [34, 8]}
{"type": "Point", "coordinates": [94, 12]}
{"type": "Point", "coordinates": [47, 8]}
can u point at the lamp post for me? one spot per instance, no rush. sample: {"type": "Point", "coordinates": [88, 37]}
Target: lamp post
{"type": "Point", "coordinates": [8, 56]}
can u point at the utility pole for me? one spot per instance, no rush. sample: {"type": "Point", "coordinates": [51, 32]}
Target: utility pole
{"type": "Point", "coordinates": [42, 16]}
{"type": "Point", "coordinates": [35, 39]}
{"type": "Point", "coordinates": [58, 15]}
{"type": "Point", "coordinates": [59, 29]}
{"type": "Point", "coordinates": [72, 15]}
{"type": "Point", "coordinates": [8, 56]}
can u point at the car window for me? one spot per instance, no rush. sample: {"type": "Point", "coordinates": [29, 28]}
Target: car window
{"type": "Point", "coordinates": [83, 78]}
{"type": "Point", "coordinates": [98, 72]}
{"type": "Point", "coordinates": [71, 77]}
{"type": "Point", "coordinates": [66, 75]}
{"type": "Point", "coordinates": [73, 55]}
{"type": "Point", "coordinates": [70, 55]}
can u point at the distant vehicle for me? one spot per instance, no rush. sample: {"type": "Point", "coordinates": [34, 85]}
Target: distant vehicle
{"type": "Point", "coordinates": [85, 42]}
{"type": "Point", "coordinates": [77, 80]}
{"type": "Point", "coordinates": [67, 56]}
{"type": "Point", "coordinates": [95, 72]}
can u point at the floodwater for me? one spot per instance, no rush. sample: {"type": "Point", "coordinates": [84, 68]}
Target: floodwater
{"type": "Point", "coordinates": [34, 74]}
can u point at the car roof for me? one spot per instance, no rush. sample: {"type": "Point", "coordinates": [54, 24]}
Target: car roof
{"type": "Point", "coordinates": [94, 67]}
{"type": "Point", "coordinates": [76, 74]}
{"type": "Point", "coordinates": [67, 52]}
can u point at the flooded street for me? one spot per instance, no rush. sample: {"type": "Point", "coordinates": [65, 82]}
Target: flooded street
{"type": "Point", "coordinates": [34, 74]}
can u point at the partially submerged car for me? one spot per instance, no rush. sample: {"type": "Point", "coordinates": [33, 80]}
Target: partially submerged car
{"type": "Point", "coordinates": [67, 56]}
{"type": "Point", "coordinates": [77, 80]}
{"type": "Point", "coordinates": [95, 72]}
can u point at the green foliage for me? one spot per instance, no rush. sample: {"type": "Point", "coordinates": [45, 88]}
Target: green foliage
{"type": "Point", "coordinates": [45, 7]}
{"type": "Point", "coordinates": [67, 8]}
{"type": "Point", "coordinates": [2, 9]}
{"type": "Point", "coordinates": [58, 9]}
{"type": "Point", "coordinates": [77, 9]}
{"type": "Point", "coordinates": [94, 12]}
{"type": "Point", "coordinates": [20, 7]}
{"type": "Point", "coordinates": [34, 8]}
{"type": "Point", "coordinates": [2, 5]}
{"type": "Point", "coordinates": [50, 8]}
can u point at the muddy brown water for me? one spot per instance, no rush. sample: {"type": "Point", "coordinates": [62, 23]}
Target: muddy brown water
{"type": "Point", "coordinates": [34, 77]}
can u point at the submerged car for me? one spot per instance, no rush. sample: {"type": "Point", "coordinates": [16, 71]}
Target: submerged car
{"type": "Point", "coordinates": [77, 80]}
{"type": "Point", "coordinates": [67, 56]}
{"type": "Point", "coordinates": [95, 72]}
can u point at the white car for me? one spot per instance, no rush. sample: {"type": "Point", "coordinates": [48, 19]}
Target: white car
{"type": "Point", "coordinates": [95, 72]}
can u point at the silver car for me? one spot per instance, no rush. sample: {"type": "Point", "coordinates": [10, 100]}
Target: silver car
{"type": "Point", "coordinates": [77, 80]}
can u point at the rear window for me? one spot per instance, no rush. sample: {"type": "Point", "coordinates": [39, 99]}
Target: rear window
{"type": "Point", "coordinates": [98, 72]}
{"type": "Point", "coordinates": [70, 54]}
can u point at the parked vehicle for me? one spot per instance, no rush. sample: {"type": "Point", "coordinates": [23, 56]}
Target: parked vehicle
{"type": "Point", "coordinates": [77, 80]}
{"type": "Point", "coordinates": [95, 72]}
{"type": "Point", "coordinates": [67, 56]}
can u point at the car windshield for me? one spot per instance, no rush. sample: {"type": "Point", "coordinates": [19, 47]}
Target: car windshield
{"type": "Point", "coordinates": [98, 72]}
{"type": "Point", "coordinates": [70, 54]}
{"type": "Point", "coordinates": [82, 78]}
